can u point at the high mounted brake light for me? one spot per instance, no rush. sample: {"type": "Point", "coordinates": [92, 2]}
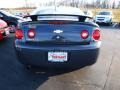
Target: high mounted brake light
{"type": "Point", "coordinates": [57, 22]}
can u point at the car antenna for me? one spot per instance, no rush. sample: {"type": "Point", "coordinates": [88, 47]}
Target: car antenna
{"type": "Point", "coordinates": [55, 4]}
{"type": "Point", "coordinates": [26, 7]}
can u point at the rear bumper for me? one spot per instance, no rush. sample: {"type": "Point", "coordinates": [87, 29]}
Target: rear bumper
{"type": "Point", "coordinates": [77, 56]}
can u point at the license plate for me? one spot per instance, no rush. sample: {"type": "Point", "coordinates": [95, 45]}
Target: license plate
{"type": "Point", "coordinates": [57, 56]}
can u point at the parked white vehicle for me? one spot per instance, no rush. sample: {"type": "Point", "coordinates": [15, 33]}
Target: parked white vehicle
{"type": "Point", "coordinates": [105, 17]}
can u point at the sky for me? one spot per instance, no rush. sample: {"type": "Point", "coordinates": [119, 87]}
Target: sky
{"type": "Point", "coordinates": [20, 3]}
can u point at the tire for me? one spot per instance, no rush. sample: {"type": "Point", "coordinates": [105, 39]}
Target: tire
{"type": "Point", "coordinates": [110, 23]}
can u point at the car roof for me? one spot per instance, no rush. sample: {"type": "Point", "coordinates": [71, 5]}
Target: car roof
{"type": "Point", "coordinates": [58, 10]}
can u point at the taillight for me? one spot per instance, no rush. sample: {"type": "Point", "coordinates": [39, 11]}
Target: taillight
{"type": "Point", "coordinates": [96, 34]}
{"type": "Point", "coordinates": [19, 34]}
{"type": "Point", "coordinates": [31, 33]}
{"type": "Point", "coordinates": [84, 34]}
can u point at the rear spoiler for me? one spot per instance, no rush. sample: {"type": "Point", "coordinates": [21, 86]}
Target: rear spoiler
{"type": "Point", "coordinates": [80, 17]}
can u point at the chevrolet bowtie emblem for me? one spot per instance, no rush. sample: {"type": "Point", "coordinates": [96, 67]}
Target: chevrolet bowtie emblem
{"type": "Point", "coordinates": [58, 31]}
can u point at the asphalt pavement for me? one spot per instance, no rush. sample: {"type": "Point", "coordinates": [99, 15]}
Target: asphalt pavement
{"type": "Point", "coordinates": [104, 75]}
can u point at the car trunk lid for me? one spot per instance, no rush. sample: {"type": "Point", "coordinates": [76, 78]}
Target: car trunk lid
{"type": "Point", "coordinates": [58, 33]}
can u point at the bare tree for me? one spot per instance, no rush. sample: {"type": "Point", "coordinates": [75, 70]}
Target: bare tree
{"type": "Point", "coordinates": [119, 4]}
{"type": "Point", "coordinates": [113, 4]}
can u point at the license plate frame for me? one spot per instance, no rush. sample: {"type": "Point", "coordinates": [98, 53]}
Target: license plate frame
{"type": "Point", "coordinates": [57, 56]}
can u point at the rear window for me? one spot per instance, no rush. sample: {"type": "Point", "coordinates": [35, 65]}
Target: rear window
{"type": "Point", "coordinates": [59, 10]}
